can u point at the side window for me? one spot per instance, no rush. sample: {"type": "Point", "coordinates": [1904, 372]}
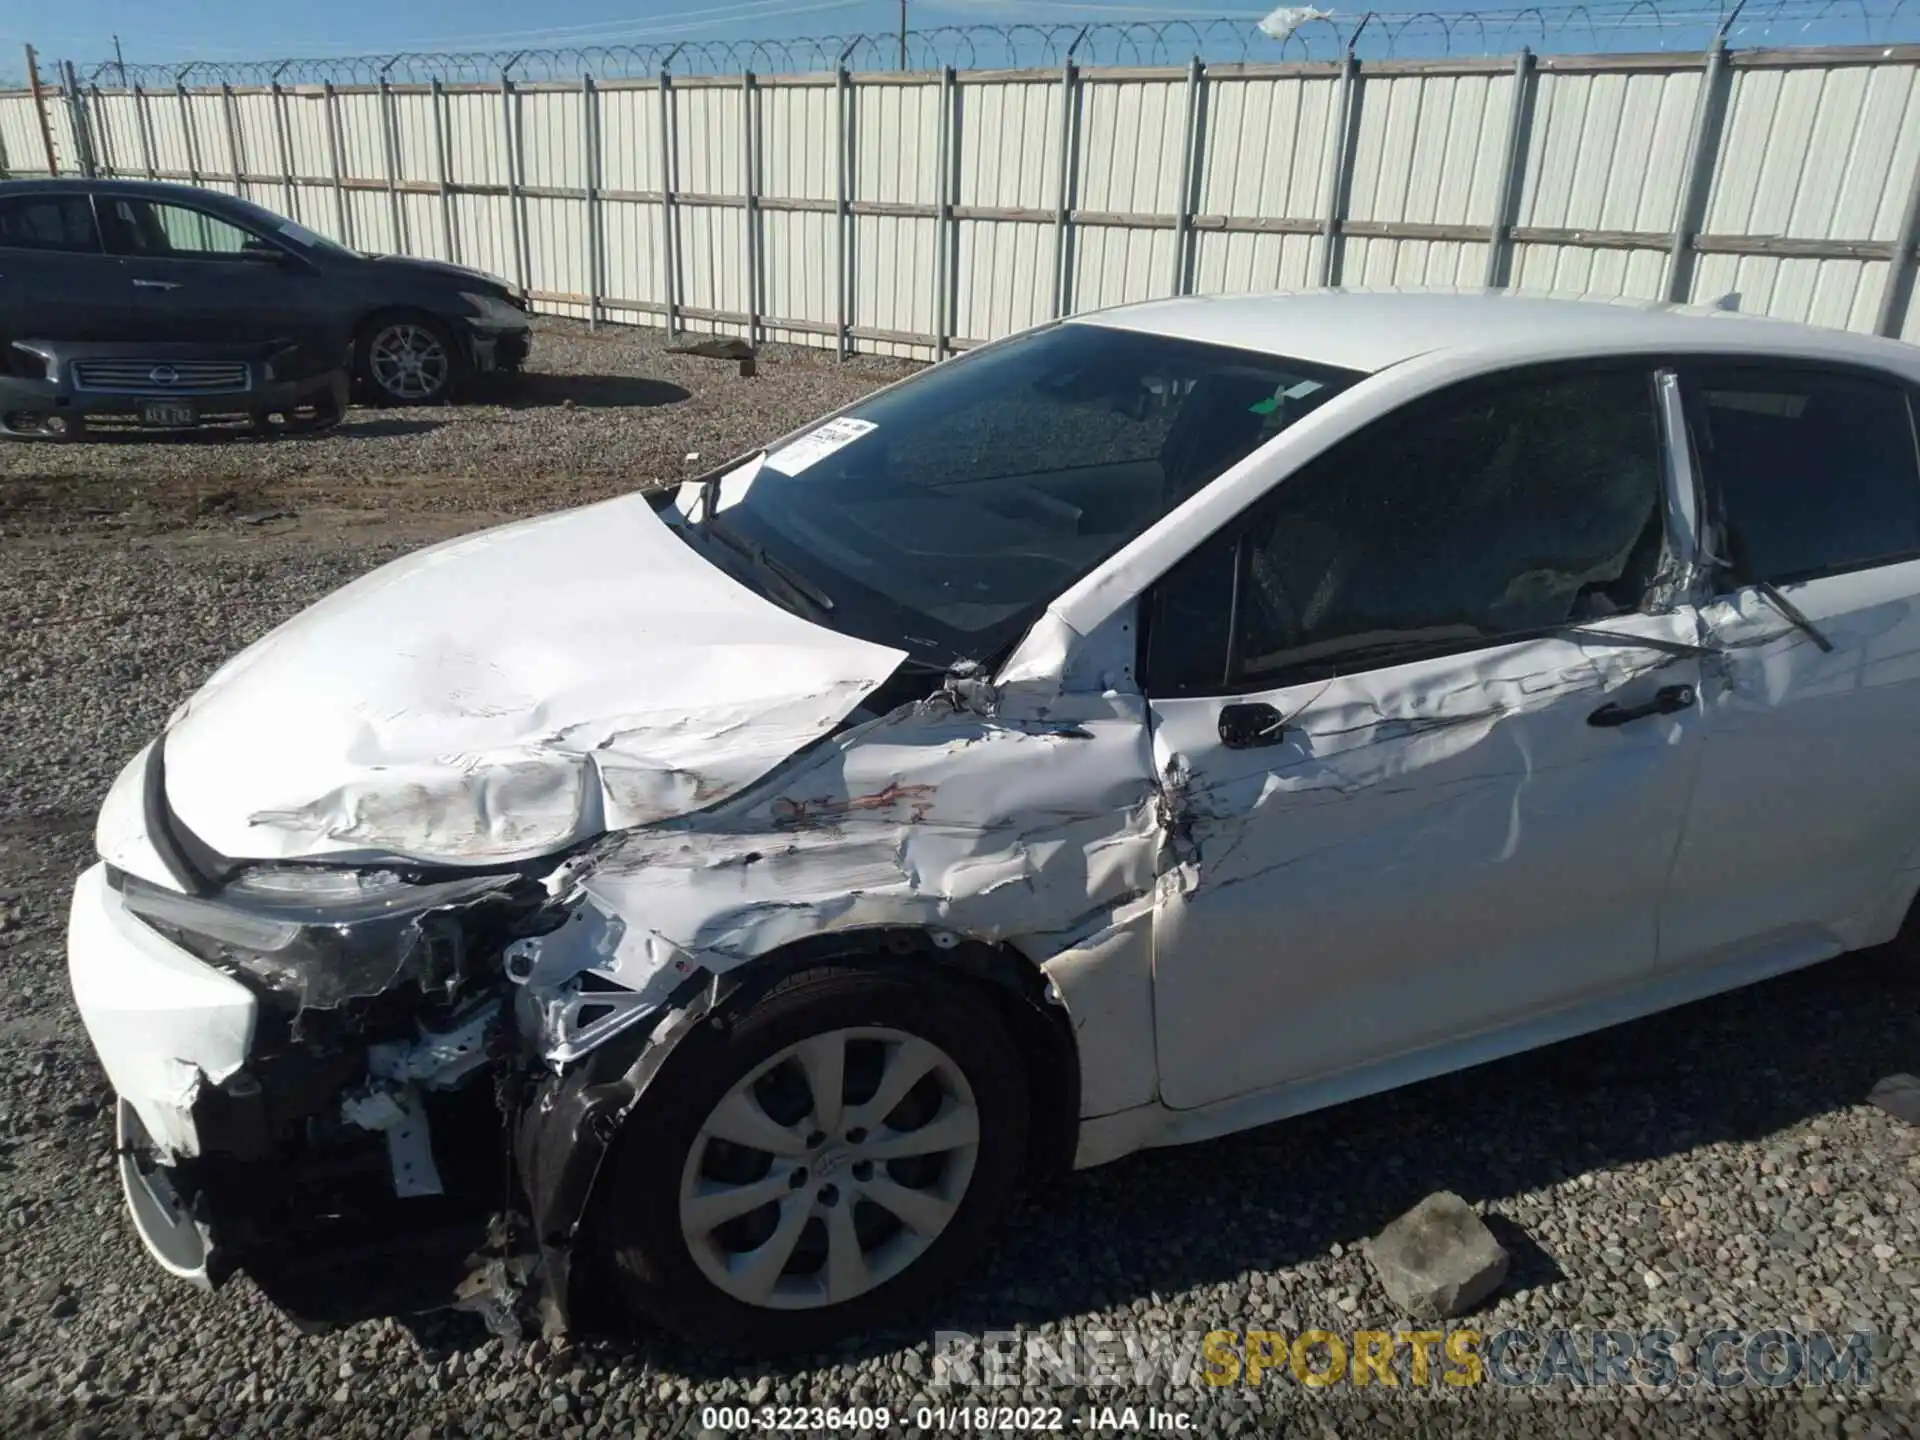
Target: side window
{"type": "Point", "coordinates": [147, 227]}
{"type": "Point", "coordinates": [48, 222]}
{"type": "Point", "coordinates": [1815, 472]}
{"type": "Point", "coordinates": [1483, 513]}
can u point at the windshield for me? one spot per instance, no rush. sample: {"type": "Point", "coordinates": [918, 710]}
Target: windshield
{"type": "Point", "coordinates": [288, 229]}
{"type": "Point", "coordinates": [942, 515]}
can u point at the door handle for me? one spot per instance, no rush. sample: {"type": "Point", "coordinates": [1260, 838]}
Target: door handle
{"type": "Point", "coordinates": [1666, 700]}
{"type": "Point", "coordinates": [1251, 723]}
{"type": "Point", "coordinates": [156, 285]}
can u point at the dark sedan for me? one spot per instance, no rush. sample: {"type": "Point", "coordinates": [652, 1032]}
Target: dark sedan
{"type": "Point", "coordinates": [123, 261]}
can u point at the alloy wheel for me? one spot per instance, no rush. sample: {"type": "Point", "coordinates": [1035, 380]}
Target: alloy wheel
{"type": "Point", "coordinates": [408, 361]}
{"type": "Point", "coordinates": [829, 1168]}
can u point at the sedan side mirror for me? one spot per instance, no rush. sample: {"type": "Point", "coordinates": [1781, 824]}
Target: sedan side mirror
{"type": "Point", "coordinates": [262, 252]}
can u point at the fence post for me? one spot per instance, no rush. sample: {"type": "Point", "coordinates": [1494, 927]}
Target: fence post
{"type": "Point", "coordinates": [1519, 126]}
{"type": "Point", "coordinates": [283, 143]}
{"type": "Point", "coordinates": [1068, 156]}
{"type": "Point", "coordinates": [186, 122]}
{"type": "Point", "coordinates": [40, 112]}
{"type": "Point", "coordinates": [98, 123]}
{"type": "Point", "coordinates": [77, 117]}
{"type": "Point", "coordinates": [1708, 111]}
{"type": "Point", "coordinates": [340, 215]}
{"type": "Point", "coordinates": [1189, 178]}
{"type": "Point", "coordinates": [516, 200]}
{"type": "Point", "coordinates": [842, 210]}
{"type": "Point", "coordinates": [98, 108]}
{"type": "Point", "coordinates": [390, 148]}
{"type": "Point", "coordinates": [441, 166]}
{"type": "Point", "coordinates": [669, 250]}
{"type": "Point", "coordinates": [1345, 100]}
{"type": "Point", "coordinates": [750, 190]}
{"type": "Point", "coordinates": [140, 128]}
{"type": "Point", "coordinates": [943, 237]}
{"type": "Point", "coordinates": [233, 139]}
{"type": "Point", "coordinates": [1896, 294]}
{"type": "Point", "coordinates": [590, 175]}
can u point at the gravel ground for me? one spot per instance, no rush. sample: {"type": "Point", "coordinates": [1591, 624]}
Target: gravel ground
{"type": "Point", "coordinates": [1712, 1167]}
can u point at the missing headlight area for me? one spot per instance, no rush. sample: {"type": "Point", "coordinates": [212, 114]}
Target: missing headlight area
{"type": "Point", "coordinates": [355, 1165]}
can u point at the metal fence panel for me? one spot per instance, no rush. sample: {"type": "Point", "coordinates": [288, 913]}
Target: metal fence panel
{"type": "Point", "coordinates": [906, 214]}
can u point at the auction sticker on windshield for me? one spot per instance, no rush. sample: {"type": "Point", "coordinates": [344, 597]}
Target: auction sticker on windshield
{"type": "Point", "coordinates": [817, 444]}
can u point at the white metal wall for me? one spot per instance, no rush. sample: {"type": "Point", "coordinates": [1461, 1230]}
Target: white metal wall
{"type": "Point", "coordinates": [918, 213]}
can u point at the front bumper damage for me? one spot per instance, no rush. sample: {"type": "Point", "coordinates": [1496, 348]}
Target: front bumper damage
{"type": "Point", "coordinates": [372, 1137]}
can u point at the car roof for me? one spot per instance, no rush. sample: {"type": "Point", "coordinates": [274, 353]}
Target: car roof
{"type": "Point", "coordinates": [154, 189]}
{"type": "Point", "coordinates": [1369, 330]}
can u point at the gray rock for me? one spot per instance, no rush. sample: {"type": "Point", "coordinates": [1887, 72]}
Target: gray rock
{"type": "Point", "coordinates": [1438, 1259]}
{"type": "Point", "coordinates": [1899, 1096]}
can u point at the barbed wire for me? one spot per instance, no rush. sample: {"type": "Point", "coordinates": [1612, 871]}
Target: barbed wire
{"type": "Point", "coordinates": [1602, 26]}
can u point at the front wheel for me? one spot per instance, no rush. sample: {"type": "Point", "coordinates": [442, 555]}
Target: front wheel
{"type": "Point", "coordinates": [407, 360]}
{"type": "Point", "coordinates": [820, 1163]}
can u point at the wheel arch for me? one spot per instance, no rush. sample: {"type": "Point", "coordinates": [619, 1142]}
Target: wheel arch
{"type": "Point", "coordinates": [567, 1123]}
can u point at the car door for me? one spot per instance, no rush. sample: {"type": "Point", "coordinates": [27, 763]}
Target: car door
{"type": "Point", "coordinates": [1806, 812]}
{"type": "Point", "coordinates": [54, 275]}
{"type": "Point", "coordinates": [1424, 721]}
{"type": "Point", "coordinates": [194, 275]}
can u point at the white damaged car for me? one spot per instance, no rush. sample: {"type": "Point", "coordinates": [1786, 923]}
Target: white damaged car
{"type": "Point", "coordinates": [712, 908]}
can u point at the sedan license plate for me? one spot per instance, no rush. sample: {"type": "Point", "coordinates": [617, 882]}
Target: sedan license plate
{"type": "Point", "coordinates": [165, 412]}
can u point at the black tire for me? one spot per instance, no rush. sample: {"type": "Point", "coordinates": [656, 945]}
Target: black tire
{"type": "Point", "coordinates": [637, 1204]}
{"type": "Point", "coordinates": [367, 379]}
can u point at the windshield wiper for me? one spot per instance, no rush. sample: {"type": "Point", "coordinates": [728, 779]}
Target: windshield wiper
{"type": "Point", "coordinates": [1791, 613]}
{"type": "Point", "coordinates": [797, 587]}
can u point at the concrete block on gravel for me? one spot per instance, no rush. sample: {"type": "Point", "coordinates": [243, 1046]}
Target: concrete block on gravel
{"type": "Point", "coordinates": [1899, 1096]}
{"type": "Point", "coordinates": [1438, 1259]}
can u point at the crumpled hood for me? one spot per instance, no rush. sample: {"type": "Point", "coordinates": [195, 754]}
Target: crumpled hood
{"type": "Point", "coordinates": [501, 696]}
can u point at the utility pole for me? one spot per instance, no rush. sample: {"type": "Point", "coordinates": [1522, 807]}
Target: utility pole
{"type": "Point", "coordinates": [120, 62]}
{"type": "Point", "coordinates": [903, 34]}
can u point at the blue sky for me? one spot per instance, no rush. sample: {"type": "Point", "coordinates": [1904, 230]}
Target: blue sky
{"type": "Point", "coordinates": [169, 33]}
{"type": "Point", "coordinates": [82, 30]}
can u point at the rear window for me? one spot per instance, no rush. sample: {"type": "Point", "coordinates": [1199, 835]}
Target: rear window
{"type": "Point", "coordinates": [48, 222]}
{"type": "Point", "coordinates": [1817, 472]}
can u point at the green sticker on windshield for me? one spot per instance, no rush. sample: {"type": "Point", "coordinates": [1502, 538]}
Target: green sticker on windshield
{"type": "Point", "coordinates": [1264, 407]}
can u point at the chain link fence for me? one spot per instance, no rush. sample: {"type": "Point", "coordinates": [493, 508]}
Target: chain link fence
{"type": "Point", "coordinates": [1601, 27]}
